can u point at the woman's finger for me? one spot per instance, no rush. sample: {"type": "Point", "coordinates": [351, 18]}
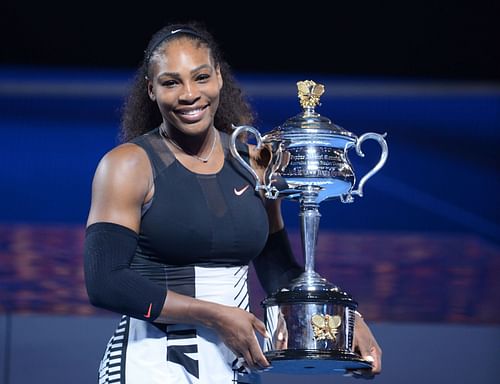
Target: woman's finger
{"type": "Point", "coordinates": [260, 327]}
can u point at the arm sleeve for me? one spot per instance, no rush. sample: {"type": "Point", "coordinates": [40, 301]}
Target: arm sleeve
{"type": "Point", "coordinates": [108, 251]}
{"type": "Point", "coordinates": [276, 265]}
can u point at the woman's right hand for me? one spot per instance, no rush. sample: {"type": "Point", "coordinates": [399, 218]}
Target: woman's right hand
{"type": "Point", "coordinates": [236, 327]}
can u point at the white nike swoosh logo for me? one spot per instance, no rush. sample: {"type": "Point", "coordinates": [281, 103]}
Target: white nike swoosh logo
{"type": "Point", "coordinates": [241, 191]}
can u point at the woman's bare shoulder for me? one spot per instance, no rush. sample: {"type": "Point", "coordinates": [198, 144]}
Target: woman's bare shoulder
{"type": "Point", "coordinates": [121, 183]}
{"type": "Point", "coordinates": [127, 155]}
{"type": "Point", "coordinates": [125, 164]}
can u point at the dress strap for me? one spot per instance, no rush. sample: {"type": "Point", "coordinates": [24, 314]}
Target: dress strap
{"type": "Point", "coordinates": [160, 155]}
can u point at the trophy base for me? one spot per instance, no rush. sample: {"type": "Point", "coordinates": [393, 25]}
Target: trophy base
{"type": "Point", "coordinates": [315, 362]}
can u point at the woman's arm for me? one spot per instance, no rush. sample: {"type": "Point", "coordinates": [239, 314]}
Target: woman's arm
{"type": "Point", "coordinates": [276, 265]}
{"type": "Point", "coordinates": [122, 182]}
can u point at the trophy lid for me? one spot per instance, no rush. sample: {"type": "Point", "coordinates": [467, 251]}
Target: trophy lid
{"type": "Point", "coordinates": [309, 121]}
{"type": "Point", "coordinates": [333, 296]}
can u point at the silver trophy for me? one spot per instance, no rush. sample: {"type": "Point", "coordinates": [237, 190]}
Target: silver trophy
{"type": "Point", "coordinates": [311, 321]}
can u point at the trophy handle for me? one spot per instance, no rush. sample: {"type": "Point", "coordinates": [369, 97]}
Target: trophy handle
{"type": "Point", "coordinates": [271, 192]}
{"type": "Point", "coordinates": [383, 158]}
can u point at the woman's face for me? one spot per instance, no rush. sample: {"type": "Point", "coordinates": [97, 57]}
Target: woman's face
{"type": "Point", "coordinates": [186, 86]}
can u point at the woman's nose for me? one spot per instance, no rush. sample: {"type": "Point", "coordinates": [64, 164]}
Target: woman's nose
{"type": "Point", "coordinates": [189, 93]}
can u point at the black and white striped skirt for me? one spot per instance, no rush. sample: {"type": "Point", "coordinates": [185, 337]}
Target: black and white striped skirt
{"type": "Point", "coordinates": [142, 352]}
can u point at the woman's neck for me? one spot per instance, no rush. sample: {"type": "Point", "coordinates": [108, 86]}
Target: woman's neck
{"type": "Point", "coordinates": [199, 146]}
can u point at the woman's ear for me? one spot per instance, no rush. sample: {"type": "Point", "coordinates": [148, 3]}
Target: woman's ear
{"type": "Point", "coordinates": [219, 77]}
{"type": "Point", "coordinates": [150, 90]}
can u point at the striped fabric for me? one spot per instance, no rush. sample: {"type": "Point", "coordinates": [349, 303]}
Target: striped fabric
{"type": "Point", "coordinates": [110, 370]}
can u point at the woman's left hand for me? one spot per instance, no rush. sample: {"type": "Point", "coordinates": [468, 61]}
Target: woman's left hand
{"type": "Point", "coordinates": [366, 345]}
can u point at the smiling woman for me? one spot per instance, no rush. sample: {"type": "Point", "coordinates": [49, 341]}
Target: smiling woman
{"type": "Point", "coordinates": [188, 100]}
{"type": "Point", "coordinates": [174, 224]}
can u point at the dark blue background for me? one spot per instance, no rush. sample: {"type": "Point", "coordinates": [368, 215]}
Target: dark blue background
{"type": "Point", "coordinates": [441, 174]}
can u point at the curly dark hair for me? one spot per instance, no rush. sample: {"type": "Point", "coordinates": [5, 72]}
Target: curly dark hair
{"type": "Point", "coordinates": [140, 114]}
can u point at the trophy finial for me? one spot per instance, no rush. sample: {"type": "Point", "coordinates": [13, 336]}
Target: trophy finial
{"type": "Point", "coordinates": [309, 93]}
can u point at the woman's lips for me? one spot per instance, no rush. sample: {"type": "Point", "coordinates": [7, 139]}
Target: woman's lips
{"type": "Point", "coordinates": [191, 115]}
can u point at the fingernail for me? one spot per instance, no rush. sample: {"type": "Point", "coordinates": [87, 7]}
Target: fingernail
{"type": "Point", "coordinates": [369, 358]}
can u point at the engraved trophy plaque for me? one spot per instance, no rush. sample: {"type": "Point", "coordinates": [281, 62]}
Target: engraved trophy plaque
{"type": "Point", "coordinates": [311, 321]}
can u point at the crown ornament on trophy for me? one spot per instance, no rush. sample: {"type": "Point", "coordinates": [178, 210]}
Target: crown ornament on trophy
{"type": "Point", "coordinates": [311, 321]}
{"type": "Point", "coordinates": [309, 93]}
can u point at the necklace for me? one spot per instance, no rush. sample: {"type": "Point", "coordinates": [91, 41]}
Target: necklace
{"type": "Point", "coordinates": [174, 143]}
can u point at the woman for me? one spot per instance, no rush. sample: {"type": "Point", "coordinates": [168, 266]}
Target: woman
{"type": "Point", "coordinates": [174, 222]}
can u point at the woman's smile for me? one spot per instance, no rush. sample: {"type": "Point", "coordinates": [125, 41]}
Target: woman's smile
{"type": "Point", "coordinates": [191, 115]}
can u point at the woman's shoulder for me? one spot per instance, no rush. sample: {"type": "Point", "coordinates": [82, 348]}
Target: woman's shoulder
{"type": "Point", "coordinates": [126, 153]}
{"type": "Point", "coordinates": [126, 159]}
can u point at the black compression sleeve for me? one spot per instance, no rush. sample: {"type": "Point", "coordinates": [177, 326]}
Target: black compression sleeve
{"type": "Point", "coordinates": [276, 265]}
{"type": "Point", "coordinates": [111, 284]}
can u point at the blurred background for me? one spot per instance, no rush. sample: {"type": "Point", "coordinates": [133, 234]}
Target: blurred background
{"type": "Point", "coordinates": [420, 251]}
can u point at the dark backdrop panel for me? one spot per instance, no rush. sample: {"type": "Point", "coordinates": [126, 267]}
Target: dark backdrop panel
{"type": "Point", "coordinates": [440, 39]}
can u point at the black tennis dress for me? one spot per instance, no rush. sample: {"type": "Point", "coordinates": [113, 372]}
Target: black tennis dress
{"type": "Point", "coordinates": [197, 237]}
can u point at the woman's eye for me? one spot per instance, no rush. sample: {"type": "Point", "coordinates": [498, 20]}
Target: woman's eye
{"type": "Point", "coordinates": [168, 83]}
{"type": "Point", "coordinates": [203, 77]}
